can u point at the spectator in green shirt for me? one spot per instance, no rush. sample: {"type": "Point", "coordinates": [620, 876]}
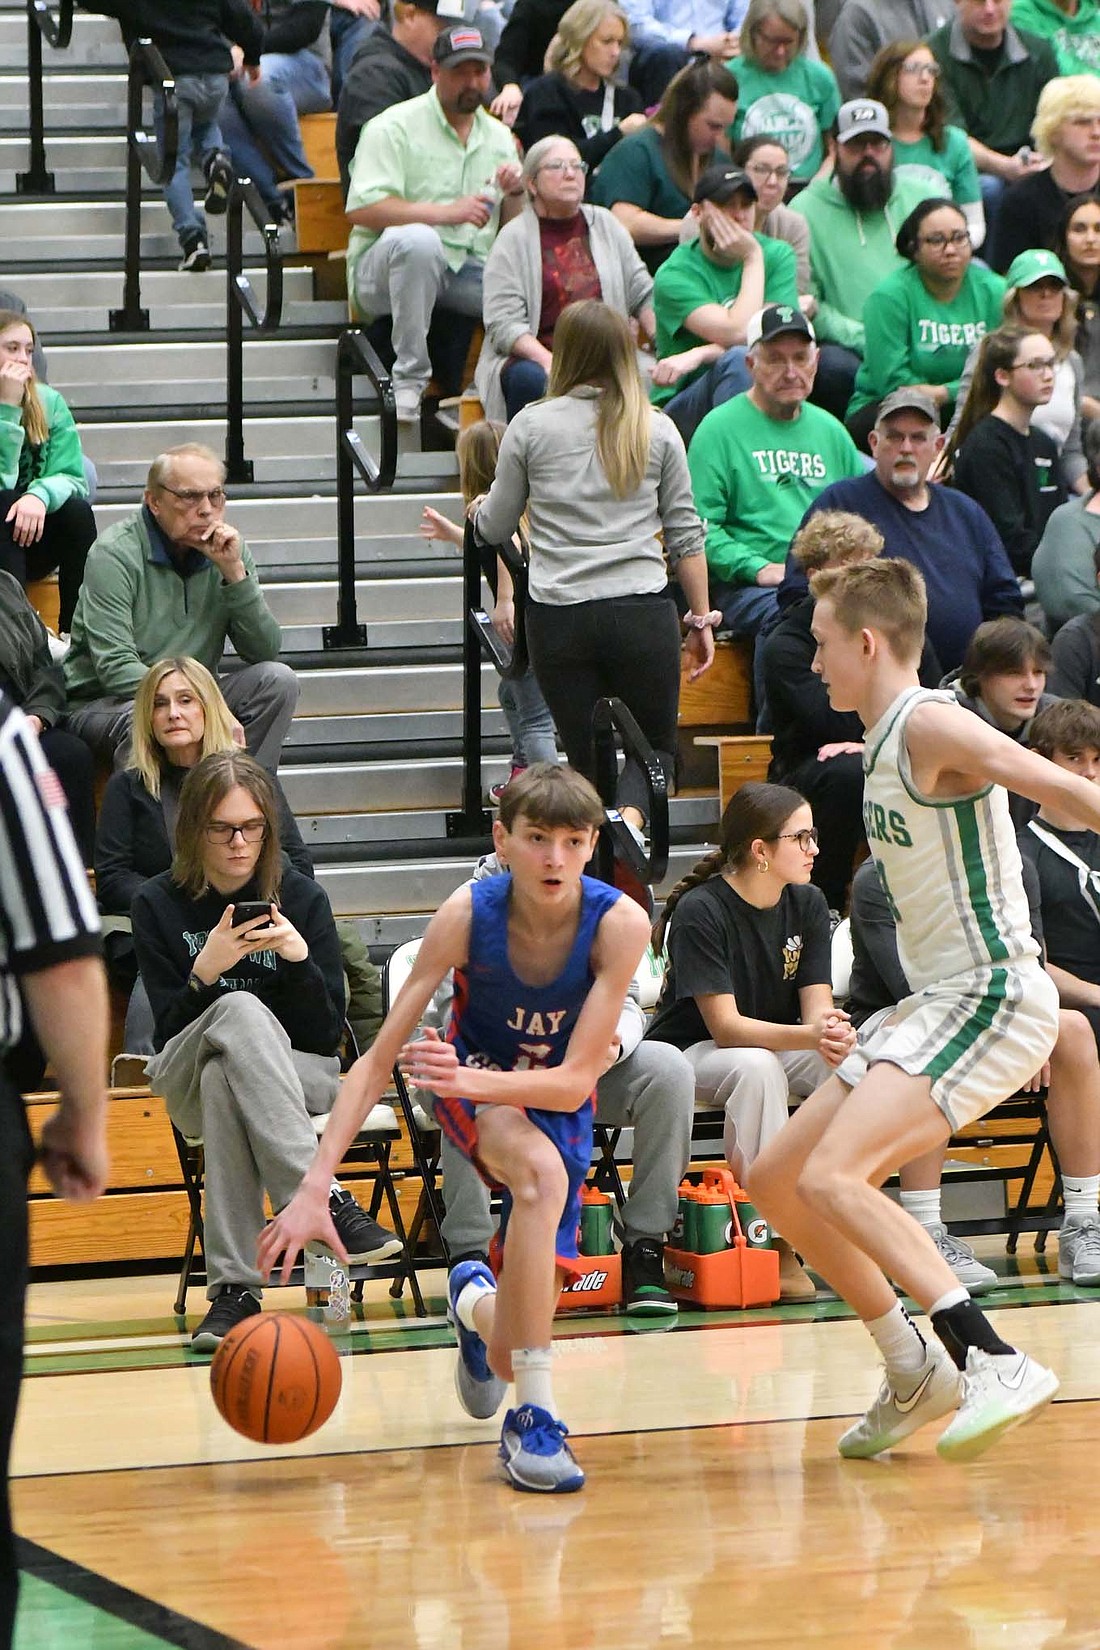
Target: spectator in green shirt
{"type": "Point", "coordinates": [905, 78]}
{"type": "Point", "coordinates": [649, 178]}
{"type": "Point", "coordinates": [757, 464]}
{"type": "Point", "coordinates": [706, 293]}
{"type": "Point", "coordinates": [923, 321]}
{"type": "Point", "coordinates": [782, 91]}
{"type": "Point", "coordinates": [1071, 26]}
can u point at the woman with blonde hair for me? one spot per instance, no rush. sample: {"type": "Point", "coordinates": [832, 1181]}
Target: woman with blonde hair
{"type": "Point", "coordinates": [180, 717]}
{"type": "Point", "coordinates": [578, 97]}
{"type": "Point", "coordinates": [603, 477]}
{"type": "Point", "coordinates": [241, 960]}
{"type": "Point", "coordinates": [556, 251]}
{"type": "Point", "coordinates": [46, 521]}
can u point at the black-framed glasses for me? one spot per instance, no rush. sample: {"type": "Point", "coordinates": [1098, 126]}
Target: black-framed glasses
{"type": "Point", "coordinates": [193, 497]}
{"type": "Point", "coordinates": [253, 830]}
{"type": "Point", "coordinates": [803, 838]}
{"type": "Point", "coordinates": [937, 241]}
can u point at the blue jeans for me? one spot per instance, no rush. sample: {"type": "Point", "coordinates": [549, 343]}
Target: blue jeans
{"type": "Point", "coordinates": [521, 381]}
{"type": "Point", "coordinates": [725, 378]}
{"type": "Point", "coordinates": [260, 121]}
{"type": "Point", "coordinates": [347, 33]}
{"type": "Point", "coordinates": [652, 67]}
{"type": "Point", "coordinates": [199, 99]}
{"type": "Point", "coordinates": [749, 610]}
{"type": "Point", "coordinates": [530, 724]}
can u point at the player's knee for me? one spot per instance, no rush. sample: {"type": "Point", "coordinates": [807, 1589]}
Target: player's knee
{"type": "Point", "coordinates": [540, 1178]}
{"type": "Point", "coordinates": [1076, 1046]}
{"type": "Point", "coordinates": [821, 1186]}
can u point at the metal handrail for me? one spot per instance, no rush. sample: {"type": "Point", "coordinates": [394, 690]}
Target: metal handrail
{"type": "Point", "coordinates": [355, 356]}
{"type": "Point", "coordinates": [240, 300]}
{"type": "Point", "coordinates": [57, 30]}
{"type": "Point", "coordinates": [143, 154]}
{"type": "Point", "coordinates": [616, 839]}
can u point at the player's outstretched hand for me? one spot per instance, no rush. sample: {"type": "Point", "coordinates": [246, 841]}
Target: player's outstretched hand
{"type": "Point", "coordinates": [306, 1217]}
{"type": "Point", "coordinates": [432, 1064]}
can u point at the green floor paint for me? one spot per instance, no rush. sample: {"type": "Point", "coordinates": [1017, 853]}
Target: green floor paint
{"type": "Point", "coordinates": [50, 1619]}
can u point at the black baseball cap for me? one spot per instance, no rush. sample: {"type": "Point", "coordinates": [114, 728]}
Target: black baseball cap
{"type": "Point", "coordinates": [773, 321]}
{"type": "Point", "coordinates": [720, 183]}
{"type": "Point", "coordinates": [461, 43]}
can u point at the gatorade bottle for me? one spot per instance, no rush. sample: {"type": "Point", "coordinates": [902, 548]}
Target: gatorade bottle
{"type": "Point", "coordinates": [595, 1229]}
{"type": "Point", "coordinates": [683, 1233]}
{"type": "Point", "coordinates": [757, 1232]}
{"type": "Point", "coordinates": [712, 1220]}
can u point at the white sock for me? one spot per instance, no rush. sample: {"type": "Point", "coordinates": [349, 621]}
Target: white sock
{"type": "Point", "coordinates": [1081, 1194]}
{"type": "Point", "coordinates": [923, 1206]}
{"type": "Point", "coordinates": [953, 1297]}
{"type": "Point", "coordinates": [531, 1369]}
{"type": "Point", "coordinates": [901, 1343]}
{"type": "Point", "coordinates": [472, 1292]}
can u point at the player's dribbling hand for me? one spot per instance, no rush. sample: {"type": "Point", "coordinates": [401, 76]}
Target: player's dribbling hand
{"type": "Point", "coordinates": [305, 1219]}
{"type": "Point", "coordinates": [432, 1064]}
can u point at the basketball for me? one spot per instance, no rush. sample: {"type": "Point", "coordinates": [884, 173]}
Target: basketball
{"type": "Point", "coordinates": [276, 1378]}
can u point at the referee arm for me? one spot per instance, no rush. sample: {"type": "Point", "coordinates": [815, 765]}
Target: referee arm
{"type": "Point", "coordinates": [50, 945]}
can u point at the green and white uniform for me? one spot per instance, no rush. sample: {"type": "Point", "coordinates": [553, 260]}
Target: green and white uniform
{"type": "Point", "coordinates": [983, 1013]}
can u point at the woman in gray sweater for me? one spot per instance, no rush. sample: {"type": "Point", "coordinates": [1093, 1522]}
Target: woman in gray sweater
{"type": "Point", "coordinates": [602, 476]}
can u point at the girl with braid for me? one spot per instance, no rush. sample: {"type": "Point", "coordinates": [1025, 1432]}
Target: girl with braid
{"type": "Point", "coordinates": [748, 990]}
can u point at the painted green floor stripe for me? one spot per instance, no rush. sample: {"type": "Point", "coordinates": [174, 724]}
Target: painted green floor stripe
{"type": "Point", "coordinates": [50, 1619]}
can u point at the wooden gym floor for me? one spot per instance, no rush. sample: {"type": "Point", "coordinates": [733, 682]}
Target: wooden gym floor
{"type": "Point", "coordinates": [716, 1511]}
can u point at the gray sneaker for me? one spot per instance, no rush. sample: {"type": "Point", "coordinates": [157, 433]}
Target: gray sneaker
{"type": "Point", "coordinates": [904, 1404]}
{"type": "Point", "coordinates": [1079, 1250]}
{"type": "Point", "coordinates": [1000, 1391]}
{"type": "Point", "coordinates": [975, 1278]}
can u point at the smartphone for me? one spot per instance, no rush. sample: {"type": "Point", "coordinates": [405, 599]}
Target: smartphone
{"type": "Point", "coordinates": [249, 909]}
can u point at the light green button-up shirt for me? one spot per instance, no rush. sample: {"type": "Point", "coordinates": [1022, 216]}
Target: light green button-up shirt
{"type": "Point", "coordinates": [413, 152]}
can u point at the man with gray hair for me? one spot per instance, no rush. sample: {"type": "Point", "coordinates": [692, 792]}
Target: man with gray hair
{"type": "Point", "coordinates": [175, 579]}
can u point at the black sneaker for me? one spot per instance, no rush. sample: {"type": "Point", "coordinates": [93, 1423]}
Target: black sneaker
{"type": "Point", "coordinates": [230, 1306]}
{"type": "Point", "coordinates": [365, 1241]}
{"type": "Point", "coordinates": [196, 253]}
{"type": "Point", "coordinates": [219, 175]}
{"type": "Point", "coordinates": [644, 1292]}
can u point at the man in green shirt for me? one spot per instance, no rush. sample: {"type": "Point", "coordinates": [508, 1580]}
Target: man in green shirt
{"type": "Point", "coordinates": [431, 182]}
{"type": "Point", "coordinates": [757, 464]}
{"type": "Point", "coordinates": [706, 293]}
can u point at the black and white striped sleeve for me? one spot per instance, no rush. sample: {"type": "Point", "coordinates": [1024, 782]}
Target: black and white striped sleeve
{"type": "Point", "coordinates": [47, 911]}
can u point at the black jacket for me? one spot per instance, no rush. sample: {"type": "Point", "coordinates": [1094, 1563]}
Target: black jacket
{"type": "Point", "coordinates": [382, 73]}
{"type": "Point", "coordinates": [307, 998]}
{"type": "Point", "coordinates": [1017, 480]}
{"type": "Point", "coordinates": [28, 674]}
{"type": "Point", "coordinates": [191, 35]}
{"type": "Point", "coordinates": [527, 33]}
{"type": "Point", "coordinates": [550, 109]}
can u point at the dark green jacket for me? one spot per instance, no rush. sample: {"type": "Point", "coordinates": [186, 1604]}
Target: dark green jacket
{"type": "Point", "coordinates": [33, 680]}
{"type": "Point", "coordinates": [996, 109]}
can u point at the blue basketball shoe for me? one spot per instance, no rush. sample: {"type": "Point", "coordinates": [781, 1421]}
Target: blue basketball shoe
{"type": "Point", "coordinates": [534, 1454]}
{"type": "Point", "coordinates": [480, 1392]}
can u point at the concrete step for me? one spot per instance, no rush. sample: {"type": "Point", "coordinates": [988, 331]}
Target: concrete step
{"type": "Point", "coordinates": [391, 690]}
{"type": "Point", "coordinates": [380, 601]}
{"type": "Point", "coordinates": [96, 41]}
{"type": "Point", "coordinates": [312, 739]}
{"type": "Point", "coordinates": [366, 836]}
{"type": "Point", "coordinates": [97, 376]}
{"type": "Point", "coordinates": [379, 787]}
{"type": "Point", "coordinates": [72, 102]}
{"type": "Point", "coordinates": [301, 520]}
{"type": "Point", "coordinates": [79, 300]}
{"type": "Point", "coordinates": [54, 233]}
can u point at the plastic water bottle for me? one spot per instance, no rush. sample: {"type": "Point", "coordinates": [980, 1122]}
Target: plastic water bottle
{"type": "Point", "coordinates": [327, 1286]}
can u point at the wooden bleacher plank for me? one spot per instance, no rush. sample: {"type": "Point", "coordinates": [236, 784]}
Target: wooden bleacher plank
{"type": "Point", "coordinates": [321, 224]}
{"type": "Point", "coordinates": [319, 143]}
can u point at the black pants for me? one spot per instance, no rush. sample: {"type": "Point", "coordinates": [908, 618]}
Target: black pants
{"type": "Point", "coordinates": [68, 534]}
{"type": "Point", "coordinates": [74, 764]}
{"type": "Point", "coordinates": [627, 647]}
{"type": "Point", "coordinates": [834, 790]}
{"type": "Point", "coordinates": [15, 1163]}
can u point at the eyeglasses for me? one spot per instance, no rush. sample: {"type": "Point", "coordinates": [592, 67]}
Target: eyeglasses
{"type": "Point", "coordinates": [1038, 363]}
{"type": "Point", "coordinates": [253, 830]}
{"type": "Point", "coordinates": [915, 65]}
{"type": "Point", "coordinates": [779, 173]}
{"type": "Point", "coordinates": [779, 41]}
{"type": "Point", "coordinates": [580, 166]}
{"type": "Point", "coordinates": [957, 237]}
{"type": "Point", "coordinates": [192, 498]}
{"type": "Point", "coordinates": [805, 839]}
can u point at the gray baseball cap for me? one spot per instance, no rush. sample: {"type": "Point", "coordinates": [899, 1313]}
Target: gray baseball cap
{"type": "Point", "coordinates": [907, 401]}
{"type": "Point", "coordinates": [860, 116]}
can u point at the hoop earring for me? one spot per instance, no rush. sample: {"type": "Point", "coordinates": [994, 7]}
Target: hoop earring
{"type": "Point", "coordinates": [762, 865]}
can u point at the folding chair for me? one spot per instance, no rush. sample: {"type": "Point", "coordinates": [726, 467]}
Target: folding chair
{"type": "Point", "coordinates": [422, 1129]}
{"type": "Point", "coordinates": [372, 1148]}
{"type": "Point", "coordinates": [606, 1137]}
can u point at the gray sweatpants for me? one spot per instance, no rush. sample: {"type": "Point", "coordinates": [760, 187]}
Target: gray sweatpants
{"type": "Point", "coordinates": [405, 273]}
{"type": "Point", "coordinates": [232, 1080]}
{"type": "Point", "coordinates": [754, 1085]}
{"type": "Point", "coordinates": [652, 1091]}
{"type": "Point", "coordinates": [262, 697]}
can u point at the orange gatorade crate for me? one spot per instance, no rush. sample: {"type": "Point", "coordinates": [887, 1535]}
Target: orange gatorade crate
{"type": "Point", "coordinates": [722, 1267]}
{"type": "Point", "coordinates": [600, 1284]}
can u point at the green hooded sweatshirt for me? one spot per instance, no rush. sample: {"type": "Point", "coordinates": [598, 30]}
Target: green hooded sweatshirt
{"type": "Point", "coordinates": [851, 253]}
{"type": "Point", "coordinates": [1076, 40]}
{"type": "Point", "coordinates": [53, 472]}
